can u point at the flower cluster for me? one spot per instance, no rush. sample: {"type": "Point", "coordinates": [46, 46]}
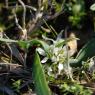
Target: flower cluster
{"type": "Point", "coordinates": [58, 56]}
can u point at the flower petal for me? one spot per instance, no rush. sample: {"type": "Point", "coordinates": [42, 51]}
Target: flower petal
{"type": "Point", "coordinates": [60, 67]}
{"type": "Point", "coordinates": [41, 51]}
{"type": "Point", "coordinates": [44, 60]}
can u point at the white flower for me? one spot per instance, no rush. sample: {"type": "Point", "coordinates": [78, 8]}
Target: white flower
{"type": "Point", "coordinates": [49, 71]}
{"type": "Point", "coordinates": [41, 51]}
{"type": "Point", "coordinates": [91, 65]}
{"type": "Point", "coordinates": [53, 59]}
{"type": "Point", "coordinates": [58, 54]}
{"type": "Point", "coordinates": [60, 67]}
{"type": "Point", "coordinates": [68, 71]}
{"type": "Point", "coordinates": [44, 60]}
{"type": "Point", "coordinates": [55, 51]}
{"type": "Point", "coordinates": [39, 15]}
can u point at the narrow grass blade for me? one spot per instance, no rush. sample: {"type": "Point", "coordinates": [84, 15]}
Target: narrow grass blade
{"type": "Point", "coordinates": [41, 86]}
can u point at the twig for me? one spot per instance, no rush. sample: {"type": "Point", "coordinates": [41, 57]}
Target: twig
{"type": "Point", "coordinates": [87, 78]}
{"type": "Point", "coordinates": [6, 67]}
{"type": "Point", "coordinates": [55, 33]}
{"type": "Point", "coordinates": [68, 56]}
{"type": "Point", "coordinates": [67, 48]}
{"type": "Point", "coordinates": [33, 25]}
{"type": "Point", "coordinates": [27, 6]}
{"type": "Point", "coordinates": [6, 2]}
{"type": "Point", "coordinates": [24, 12]}
{"type": "Point", "coordinates": [39, 3]}
{"type": "Point", "coordinates": [23, 29]}
{"type": "Point", "coordinates": [31, 7]}
{"type": "Point", "coordinates": [16, 21]}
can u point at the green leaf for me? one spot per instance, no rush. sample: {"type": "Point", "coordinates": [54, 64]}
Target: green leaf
{"type": "Point", "coordinates": [86, 52]}
{"type": "Point", "coordinates": [42, 43]}
{"type": "Point", "coordinates": [41, 86]}
{"type": "Point", "coordinates": [92, 7]}
{"type": "Point", "coordinates": [63, 42]}
{"type": "Point", "coordinates": [23, 44]}
{"type": "Point", "coordinates": [26, 44]}
{"type": "Point", "coordinates": [16, 85]}
{"type": "Point", "coordinates": [58, 5]}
